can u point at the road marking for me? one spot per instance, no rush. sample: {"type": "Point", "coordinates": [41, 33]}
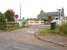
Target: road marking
{"type": "Point", "coordinates": [31, 31]}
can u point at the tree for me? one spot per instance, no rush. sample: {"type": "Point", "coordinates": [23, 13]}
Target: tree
{"type": "Point", "coordinates": [2, 18]}
{"type": "Point", "coordinates": [10, 15]}
{"type": "Point", "coordinates": [2, 21]}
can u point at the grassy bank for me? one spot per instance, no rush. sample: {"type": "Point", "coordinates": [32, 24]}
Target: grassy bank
{"type": "Point", "coordinates": [49, 32]}
{"type": "Point", "coordinates": [59, 30]}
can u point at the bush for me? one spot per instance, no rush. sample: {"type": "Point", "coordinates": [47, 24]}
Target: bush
{"type": "Point", "coordinates": [11, 26]}
{"type": "Point", "coordinates": [59, 30]}
{"type": "Point", "coordinates": [63, 28]}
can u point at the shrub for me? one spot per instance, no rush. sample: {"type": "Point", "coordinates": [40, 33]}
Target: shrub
{"type": "Point", "coordinates": [63, 28]}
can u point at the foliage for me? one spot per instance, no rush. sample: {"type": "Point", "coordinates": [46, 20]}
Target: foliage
{"type": "Point", "coordinates": [2, 21]}
{"type": "Point", "coordinates": [9, 14]}
{"type": "Point", "coordinates": [63, 28]}
{"type": "Point", "coordinates": [7, 25]}
{"type": "Point", "coordinates": [59, 30]}
{"type": "Point", "coordinates": [48, 31]}
{"type": "Point", "coordinates": [10, 26]}
{"type": "Point", "coordinates": [2, 18]}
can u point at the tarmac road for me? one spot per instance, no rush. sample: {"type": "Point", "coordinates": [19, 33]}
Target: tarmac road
{"type": "Point", "coordinates": [23, 39]}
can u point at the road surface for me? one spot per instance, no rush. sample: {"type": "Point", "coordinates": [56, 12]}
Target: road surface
{"type": "Point", "coordinates": [23, 39]}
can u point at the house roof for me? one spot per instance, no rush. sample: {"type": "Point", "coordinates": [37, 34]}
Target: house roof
{"type": "Point", "coordinates": [53, 14]}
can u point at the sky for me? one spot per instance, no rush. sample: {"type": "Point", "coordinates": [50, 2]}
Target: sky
{"type": "Point", "coordinates": [31, 8]}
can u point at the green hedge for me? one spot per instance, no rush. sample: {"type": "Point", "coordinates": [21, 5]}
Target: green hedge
{"type": "Point", "coordinates": [9, 26]}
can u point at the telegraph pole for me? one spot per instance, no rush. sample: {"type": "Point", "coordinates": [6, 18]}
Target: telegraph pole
{"type": "Point", "coordinates": [20, 24]}
{"type": "Point", "coordinates": [20, 11]}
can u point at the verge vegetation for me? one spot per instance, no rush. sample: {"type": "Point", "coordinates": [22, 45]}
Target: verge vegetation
{"type": "Point", "coordinates": [59, 30]}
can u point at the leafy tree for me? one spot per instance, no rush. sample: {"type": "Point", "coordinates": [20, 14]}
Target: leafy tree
{"type": "Point", "coordinates": [10, 15]}
{"type": "Point", "coordinates": [2, 18]}
{"type": "Point", "coordinates": [2, 21]}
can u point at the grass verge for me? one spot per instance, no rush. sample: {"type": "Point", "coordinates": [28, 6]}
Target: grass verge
{"type": "Point", "coordinates": [48, 32]}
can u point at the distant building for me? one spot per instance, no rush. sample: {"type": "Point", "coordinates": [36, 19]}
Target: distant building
{"type": "Point", "coordinates": [59, 14]}
{"type": "Point", "coordinates": [52, 15]}
{"type": "Point", "coordinates": [34, 21]}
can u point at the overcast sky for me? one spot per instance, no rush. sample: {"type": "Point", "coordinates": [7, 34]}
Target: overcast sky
{"type": "Point", "coordinates": [31, 8]}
